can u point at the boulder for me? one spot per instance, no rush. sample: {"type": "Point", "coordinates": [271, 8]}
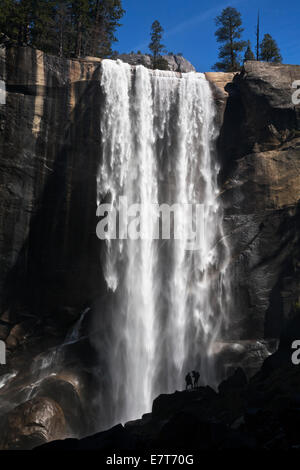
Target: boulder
{"type": "Point", "coordinates": [33, 423]}
{"type": "Point", "coordinates": [65, 393]}
{"type": "Point", "coordinates": [176, 63]}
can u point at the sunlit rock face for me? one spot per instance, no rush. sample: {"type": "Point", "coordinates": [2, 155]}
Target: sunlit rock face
{"type": "Point", "coordinates": [176, 63]}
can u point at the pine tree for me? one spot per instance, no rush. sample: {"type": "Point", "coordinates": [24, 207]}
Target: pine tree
{"type": "Point", "coordinates": [8, 25]}
{"type": "Point", "coordinates": [25, 12]}
{"type": "Point", "coordinates": [69, 28]}
{"type": "Point", "coordinates": [257, 37]}
{"type": "Point", "coordinates": [249, 53]}
{"type": "Point", "coordinates": [106, 15]}
{"type": "Point", "coordinates": [269, 51]}
{"type": "Point", "coordinates": [156, 47]}
{"type": "Point", "coordinates": [81, 21]}
{"type": "Point", "coordinates": [42, 30]}
{"type": "Point", "coordinates": [63, 27]}
{"type": "Point", "coordinates": [229, 33]}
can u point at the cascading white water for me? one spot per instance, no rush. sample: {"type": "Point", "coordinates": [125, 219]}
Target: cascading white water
{"type": "Point", "coordinates": [158, 134]}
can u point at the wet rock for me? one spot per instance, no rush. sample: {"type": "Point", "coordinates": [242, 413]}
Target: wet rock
{"type": "Point", "coordinates": [19, 333]}
{"type": "Point", "coordinates": [32, 423]}
{"type": "Point", "coordinates": [247, 354]}
{"type": "Point", "coordinates": [66, 394]}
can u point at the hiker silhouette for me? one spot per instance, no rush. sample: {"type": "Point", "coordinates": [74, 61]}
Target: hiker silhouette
{"type": "Point", "coordinates": [188, 381]}
{"type": "Point", "coordinates": [196, 377]}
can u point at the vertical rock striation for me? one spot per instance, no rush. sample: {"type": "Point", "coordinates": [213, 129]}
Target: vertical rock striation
{"type": "Point", "coordinates": [49, 146]}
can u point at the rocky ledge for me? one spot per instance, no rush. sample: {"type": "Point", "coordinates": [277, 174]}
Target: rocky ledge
{"type": "Point", "coordinates": [263, 413]}
{"type": "Point", "coordinates": [176, 62]}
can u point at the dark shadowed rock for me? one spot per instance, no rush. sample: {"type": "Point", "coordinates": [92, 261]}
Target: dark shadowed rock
{"type": "Point", "coordinates": [32, 423]}
{"type": "Point", "coordinates": [236, 381]}
{"type": "Point", "coordinates": [48, 159]}
{"type": "Point", "coordinates": [115, 438]}
{"type": "Point", "coordinates": [262, 414]}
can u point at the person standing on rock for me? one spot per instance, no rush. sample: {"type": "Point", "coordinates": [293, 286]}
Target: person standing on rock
{"type": "Point", "coordinates": [188, 381]}
{"type": "Point", "coordinates": [196, 377]}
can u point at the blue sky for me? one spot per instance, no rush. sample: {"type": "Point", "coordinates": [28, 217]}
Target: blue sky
{"type": "Point", "coordinates": [189, 26]}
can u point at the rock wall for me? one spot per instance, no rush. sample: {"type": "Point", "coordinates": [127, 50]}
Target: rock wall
{"type": "Point", "coordinates": [260, 151]}
{"type": "Point", "coordinates": [49, 141]}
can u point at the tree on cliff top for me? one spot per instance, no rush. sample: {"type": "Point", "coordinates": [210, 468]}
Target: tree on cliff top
{"type": "Point", "coordinates": [63, 27]}
{"type": "Point", "coordinates": [257, 37]}
{"type": "Point", "coordinates": [229, 33]}
{"type": "Point", "coordinates": [7, 18]}
{"type": "Point", "coordinates": [156, 47]}
{"type": "Point", "coordinates": [269, 51]}
{"type": "Point", "coordinates": [249, 55]}
{"type": "Point", "coordinates": [106, 15]}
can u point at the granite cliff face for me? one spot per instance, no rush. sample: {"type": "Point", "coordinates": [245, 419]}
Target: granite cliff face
{"type": "Point", "coordinates": [50, 267]}
{"type": "Point", "coordinates": [260, 150]}
{"type": "Point", "coordinates": [49, 157]}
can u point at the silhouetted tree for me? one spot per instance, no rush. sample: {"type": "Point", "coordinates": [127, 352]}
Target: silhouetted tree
{"type": "Point", "coordinates": [156, 47]}
{"type": "Point", "coordinates": [249, 53]}
{"type": "Point", "coordinates": [229, 33]}
{"type": "Point", "coordinates": [269, 51]}
{"type": "Point", "coordinates": [257, 37]}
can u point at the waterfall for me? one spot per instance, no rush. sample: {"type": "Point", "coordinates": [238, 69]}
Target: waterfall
{"type": "Point", "coordinates": [168, 302]}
